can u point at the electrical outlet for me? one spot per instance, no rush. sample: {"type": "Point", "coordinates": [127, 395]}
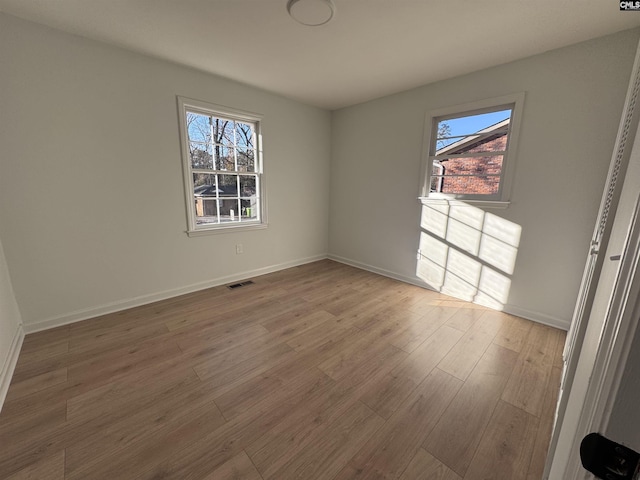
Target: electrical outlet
{"type": "Point", "coordinates": [239, 249]}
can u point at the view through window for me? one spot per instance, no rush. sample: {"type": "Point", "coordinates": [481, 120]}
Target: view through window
{"type": "Point", "coordinates": [222, 166]}
{"type": "Point", "coordinates": [469, 153]}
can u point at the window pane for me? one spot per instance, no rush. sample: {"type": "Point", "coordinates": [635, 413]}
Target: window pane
{"type": "Point", "coordinates": [493, 143]}
{"type": "Point", "coordinates": [229, 211]}
{"type": "Point", "coordinates": [244, 135]}
{"type": "Point", "coordinates": [204, 192]}
{"type": "Point", "coordinates": [228, 185]}
{"type": "Point", "coordinates": [223, 132]}
{"type": "Point", "coordinates": [201, 155]}
{"type": "Point", "coordinates": [460, 130]}
{"type": "Point", "coordinates": [206, 211]}
{"type": "Point", "coordinates": [247, 185]}
{"type": "Point", "coordinates": [472, 166]}
{"type": "Point", "coordinates": [198, 127]}
{"type": "Point", "coordinates": [204, 183]}
{"type": "Point", "coordinates": [246, 162]}
{"type": "Point", "coordinates": [221, 156]}
{"type": "Point", "coordinates": [224, 158]}
{"type": "Point", "coordinates": [470, 185]}
{"type": "Point", "coordinates": [470, 176]}
{"type": "Point", "coordinates": [249, 208]}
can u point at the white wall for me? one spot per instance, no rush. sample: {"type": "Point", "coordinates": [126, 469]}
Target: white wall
{"type": "Point", "coordinates": [574, 99]}
{"type": "Point", "coordinates": [92, 209]}
{"type": "Point", "coordinates": [11, 334]}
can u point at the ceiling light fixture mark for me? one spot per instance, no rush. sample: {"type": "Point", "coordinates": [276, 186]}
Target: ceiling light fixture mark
{"type": "Point", "coordinates": [311, 13]}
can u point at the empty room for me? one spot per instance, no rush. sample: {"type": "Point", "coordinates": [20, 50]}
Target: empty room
{"type": "Point", "coordinates": [316, 239]}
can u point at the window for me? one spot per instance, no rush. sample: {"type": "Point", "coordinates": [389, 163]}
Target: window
{"type": "Point", "coordinates": [222, 164]}
{"type": "Point", "coordinates": [471, 149]}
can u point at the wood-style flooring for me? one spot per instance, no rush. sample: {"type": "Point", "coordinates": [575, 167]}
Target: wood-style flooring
{"type": "Point", "coordinates": [321, 371]}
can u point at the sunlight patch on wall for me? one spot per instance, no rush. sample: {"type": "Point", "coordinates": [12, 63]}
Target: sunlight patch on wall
{"type": "Point", "coordinates": [466, 252]}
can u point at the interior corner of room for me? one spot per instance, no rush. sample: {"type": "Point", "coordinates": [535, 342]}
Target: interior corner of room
{"type": "Point", "coordinates": [92, 209]}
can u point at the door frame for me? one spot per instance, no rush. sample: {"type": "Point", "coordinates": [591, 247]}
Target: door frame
{"type": "Point", "coordinates": [597, 348]}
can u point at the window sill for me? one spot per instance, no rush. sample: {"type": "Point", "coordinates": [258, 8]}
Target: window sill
{"type": "Point", "coordinates": [226, 229]}
{"type": "Point", "coordinates": [498, 204]}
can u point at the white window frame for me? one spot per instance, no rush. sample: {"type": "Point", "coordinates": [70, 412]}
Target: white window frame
{"type": "Point", "coordinates": [197, 106]}
{"type": "Point", "coordinates": [499, 200]}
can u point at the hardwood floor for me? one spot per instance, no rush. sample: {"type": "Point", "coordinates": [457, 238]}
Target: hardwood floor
{"type": "Point", "coordinates": [322, 371]}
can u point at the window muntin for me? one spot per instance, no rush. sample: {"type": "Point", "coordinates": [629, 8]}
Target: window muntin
{"type": "Point", "coordinates": [471, 149]}
{"type": "Point", "coordinates": [222, 163]}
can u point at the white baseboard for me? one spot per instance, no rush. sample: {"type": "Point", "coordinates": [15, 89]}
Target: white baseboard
{"type": "Point", "coordinates": [79, 315]}
{"type": "Point", "coordinates": [510, 309]}
{"type": "Point", "coordinates": [380, 271]}
{"type": "Point", "coordinates": [9, 364]}
{"type": "Point", "coordinates": [537, 317]}
{"type": "Point", "coordinates": [117, 306]}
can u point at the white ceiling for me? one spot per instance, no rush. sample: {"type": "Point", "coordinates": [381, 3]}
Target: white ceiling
{"type": "Point", "coordinates": [371, 48]}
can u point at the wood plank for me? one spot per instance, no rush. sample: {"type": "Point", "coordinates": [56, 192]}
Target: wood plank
{"type": "Point", "coordinates": [36, 384]}
{"type": "Point", "coordinates": [106, 338]}
{"type": "Point", "coordinates": [362, 312]}
{"type": "Point", "coordinates": [227, 441]}
{"type": "Point", "coordinates": [294, 323]}
{"type": "Point", "coordinates": [514, 334]}
{"type": "Point", "coordinates": [324, 332]}
{"type": "Point", "coordinates": [132, 401]}
{"type": "Point", "coordinates": [459, 431]}
{"type": "Point", "coordinates": [543, 438]}
{"type": "Point", "coordinates": [507, 445]}
{"type": "Point", "coordinates": [138, 387]}
{"type": "Point", "coordinates": [34, 342]}
{"type": "Point", "coordinates": [231, 376]}
{"type": "Point", "coordinates": [230, 305]}
{"type": "Point", "coordinates": [557, 356]}
{"type": "Point", "coordinates": [108, 438]}
{"type": "Point", "coordinates": [44, 351]}
{"type": "Point", "coordinates": [366, 346]}
{"type": "Point", "coordinates": [146, 453]}
{"type": "Point", "coordinates": [287, 439]}
{"type": "Point", "coordinates": [528, 383]}
{"type": "Point", "coordinates": [386, 396]}
{"type": "Point", "coordinates": [417, 332]}
{"type": "Point", "coordinates": [212, 339]}
{"type": "Point", "coordinates": [462, 358]}
{"type": "Point", "coordinates": [329, 453]}
{"type": "Point", "coordinates": [282, 442]}
{"type": "Point", "coordinates": [240, 399]}
{"type": "Point", "coordinates": [112, 365]}
{"type": "Point", "coordinates": [390, 450]}
{"type": "Point", "coordinates": [424, 465]}
{"type": "Point", "coordinates": [236, 468]}
{"type": "Point", "coordinates": [25, 447]}
{"type": "Point", "coordinates": [51, 468]}
{"type": "Point", "coordinates": [463, 318]}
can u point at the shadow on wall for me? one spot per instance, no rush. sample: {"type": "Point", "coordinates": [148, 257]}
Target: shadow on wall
{"type": "Point", "coordinates": [466, 252]}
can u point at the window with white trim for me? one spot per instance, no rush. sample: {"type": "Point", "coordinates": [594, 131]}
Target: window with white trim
{"type": "Point", "coordinates": [222, 162]}
{"type": "Point", "coordinates": [471, 150]}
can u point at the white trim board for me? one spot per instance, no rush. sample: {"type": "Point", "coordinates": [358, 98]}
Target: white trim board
{"type": "Point", "coordinates": [537, 317]}
{"type": "Point", "coordinates": [380, 271]}
{"type": "Point", "coordinates": [510, 309]}
{"type": "Point", "coordinates": [9, 365]}
{"type": "Point", "coordinates": [85, 314]}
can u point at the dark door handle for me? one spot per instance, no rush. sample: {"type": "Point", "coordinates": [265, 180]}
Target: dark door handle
{"type": "Point", "coordinates": [608, 460]}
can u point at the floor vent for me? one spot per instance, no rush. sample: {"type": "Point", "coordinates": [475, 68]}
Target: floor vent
{"type": "Point", "coordinates": [241, 284]}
